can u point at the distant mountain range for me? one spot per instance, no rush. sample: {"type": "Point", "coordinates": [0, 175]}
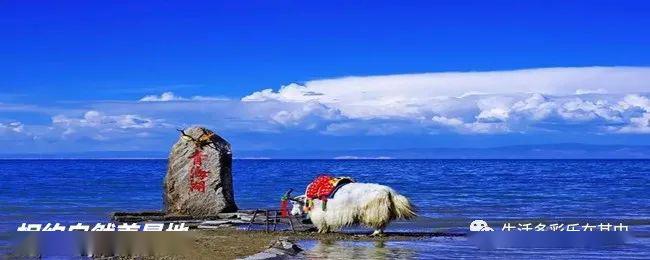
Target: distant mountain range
{"type": "Point", "coordinates": [547, 151]}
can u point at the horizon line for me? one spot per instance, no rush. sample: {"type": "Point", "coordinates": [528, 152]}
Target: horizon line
{"type": "Point", "coordinates": [332, 159]}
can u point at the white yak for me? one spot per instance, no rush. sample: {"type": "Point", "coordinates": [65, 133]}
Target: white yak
{"type": "Point", "coordinates": [369, 204]}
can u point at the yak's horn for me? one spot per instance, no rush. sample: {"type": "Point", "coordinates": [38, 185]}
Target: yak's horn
{"type": "Point", "coordinates": [287, 195]}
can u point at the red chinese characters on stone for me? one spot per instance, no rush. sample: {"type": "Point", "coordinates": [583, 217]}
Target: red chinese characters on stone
{"type": "Point", "coordinates": [198, 176]}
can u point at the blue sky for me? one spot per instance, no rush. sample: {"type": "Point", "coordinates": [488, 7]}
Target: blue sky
{"type": "Point", "coordinates": [88, 76]}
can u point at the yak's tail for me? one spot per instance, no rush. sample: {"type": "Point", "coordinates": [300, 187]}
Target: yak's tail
{"type": "Point", "coordinates": [402, 206]}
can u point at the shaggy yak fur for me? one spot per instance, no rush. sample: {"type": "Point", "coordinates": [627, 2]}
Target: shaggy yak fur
{"type": "Point", "coordinates": [369, 204]}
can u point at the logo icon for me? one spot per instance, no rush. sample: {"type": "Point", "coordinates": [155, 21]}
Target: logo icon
{"type": "Point", "coordinates": [479, 225]}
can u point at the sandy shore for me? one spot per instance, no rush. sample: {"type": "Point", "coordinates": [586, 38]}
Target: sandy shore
{"type": "Point", "coordinates": [229, 243]}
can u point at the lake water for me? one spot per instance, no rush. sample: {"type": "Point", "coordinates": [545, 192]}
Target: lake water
{"type": "Point", "coordinates": [451, 192]}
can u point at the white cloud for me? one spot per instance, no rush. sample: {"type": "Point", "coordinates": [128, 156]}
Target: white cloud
{"type": "Point", "coordinates": [638, 125]}
{"type": "Point", "coordinates": [639, 122]}
{"type": "Point", "coordinates": [536, 107]}
{"type": "Point", "coordinates": [101, 127]}
{"type": "Point", "coordinates": [16, 132]}
{"type": "Point", "coordinates": [97, 119]}
{"type": "Point", "coordinates": [635, 101]}
{"type": "Point", "coordinates": [169, 96]}
{"type": "Point", "coordinates": [14, 127]}
{"type": "Point", "coordinates": [590, 91]}
{"type": "Point", "coordinates": [581, 110]}
{"type": "Point", "coordinates": [447, 121]}
{"type": "Point", "coordinates": [401, 95]}
{"type": "Point", "coordinates": [494, 108]}
{"type": "Point", "coordinates": [475, 102]}
{"type": "Point", "coordinates": [309, 115]}
{"type": "Point", "coordinates": [476, 127]}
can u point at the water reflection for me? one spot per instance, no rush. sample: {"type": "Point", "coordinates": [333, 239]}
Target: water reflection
{"type": "Point", "coordinates": [354, 250]}
{"type": "Point", "coordinates": [460, 248]}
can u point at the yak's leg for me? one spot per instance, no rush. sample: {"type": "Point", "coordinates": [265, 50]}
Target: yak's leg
{"type": "Point", "coordinates": [378, 232]}
{"type": "Point", "coordinates": [324, 229]}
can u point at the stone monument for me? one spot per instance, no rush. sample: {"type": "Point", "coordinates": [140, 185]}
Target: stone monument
{"type": "Point", "coordinates": [199, 175]}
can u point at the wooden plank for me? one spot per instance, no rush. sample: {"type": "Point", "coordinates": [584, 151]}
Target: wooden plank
{"type": "Point", "coordinates": [252, 219]}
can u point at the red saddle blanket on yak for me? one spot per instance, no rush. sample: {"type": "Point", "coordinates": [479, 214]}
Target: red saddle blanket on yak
{"type": "Point", "coordinates": [325, 186]}
{"type": "Point", "coordinates": [322, 188]}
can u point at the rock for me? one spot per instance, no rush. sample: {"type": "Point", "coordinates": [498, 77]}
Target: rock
{"type": "Point", "coordinates": [247, 218]}
{"type": "Point", "coordinates": [287, 246]}
{"type": "Point", "coordinates": [214, 227]}
{"type": "Point", "coordinates": [228, 215]}
{"type": "Point", "coordinates": [210, 189]}
{"type": "Point", "coordinates": [283, 248]}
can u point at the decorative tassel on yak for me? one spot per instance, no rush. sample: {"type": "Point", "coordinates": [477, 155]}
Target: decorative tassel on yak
{"type": "Point", "coordinates": [284, 204]}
